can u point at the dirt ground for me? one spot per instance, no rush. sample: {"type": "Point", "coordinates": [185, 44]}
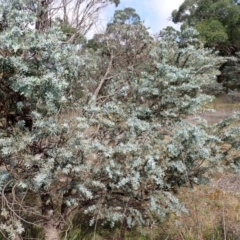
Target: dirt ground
{"type": "Point", "coordinates": [214, 117]}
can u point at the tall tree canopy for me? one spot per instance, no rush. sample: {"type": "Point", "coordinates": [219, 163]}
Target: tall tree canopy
{"type": "Point", "coordinates": [218, 24]}
{"type": "Point", "coordinates": [217, 21]}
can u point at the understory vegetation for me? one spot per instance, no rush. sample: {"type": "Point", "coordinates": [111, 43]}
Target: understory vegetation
{"type": "Point", "coordinates": [103, 138]}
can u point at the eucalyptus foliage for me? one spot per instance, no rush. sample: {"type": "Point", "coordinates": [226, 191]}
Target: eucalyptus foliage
{"type": "Point", "coordinates": [125, 149]}
{"type": "Point", "coordinates": [217, 22]}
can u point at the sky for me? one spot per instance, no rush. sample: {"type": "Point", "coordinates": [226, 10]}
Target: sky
{"type": "Point", "coordinates": [154, 13]}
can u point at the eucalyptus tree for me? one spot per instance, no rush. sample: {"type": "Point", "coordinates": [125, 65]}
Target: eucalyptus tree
{"type": "Point", "coordinates": [122, 157]}
{"type": "Point", "coordinates": [218, 25]}
{"type": "Point", "coordinates": [216, 21]}
{"type": "Point", "coordinates": [120, 52]}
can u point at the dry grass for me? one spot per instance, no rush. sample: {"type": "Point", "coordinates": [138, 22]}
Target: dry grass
{"type": "Point", "coordinates": [224, 102]}
{"type": "Point", "coordinates": [223, 107]}
{"type": "Point", "coordinates": [213, 214]}
{"type": "Point", "coordinates": [214, 209]}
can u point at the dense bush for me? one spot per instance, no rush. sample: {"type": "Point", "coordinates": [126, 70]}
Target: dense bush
{"type": "Point", "coordinates": [124, 149]}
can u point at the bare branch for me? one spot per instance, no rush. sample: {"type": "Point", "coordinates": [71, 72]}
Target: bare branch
{"type": "Point", "coordinates": [105, 77]}
{"type": "Point", "coordinates": [80, 14]}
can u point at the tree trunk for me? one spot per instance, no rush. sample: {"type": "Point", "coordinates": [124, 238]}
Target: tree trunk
{"type": "Point", "coordinates": [50, 225]}
{"type": "Point", "coordinates": [51, 231]}
{"type": "Point", "coordinates": [17, 237]}
{"type": "Point", "coordinates": [43, 22]}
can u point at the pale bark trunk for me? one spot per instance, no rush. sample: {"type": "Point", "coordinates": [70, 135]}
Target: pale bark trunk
{"type": "Point", "coordinates": [51, 231]}
{"type": "Point", "coordinates": [50, 226]}
{"type": "Point", "coordinates": [17, 237]}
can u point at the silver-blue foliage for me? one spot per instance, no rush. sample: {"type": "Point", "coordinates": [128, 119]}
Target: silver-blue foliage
{"type": "Point", "coordinates": [118, 154]}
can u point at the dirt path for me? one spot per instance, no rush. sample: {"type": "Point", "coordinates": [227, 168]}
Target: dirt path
{"type": "Point", "coordinates": [214, 117]}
